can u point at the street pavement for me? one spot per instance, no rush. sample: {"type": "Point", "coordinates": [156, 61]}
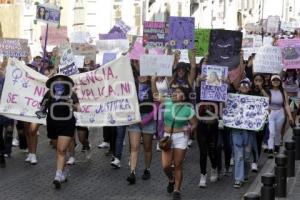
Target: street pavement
{"type": "Point", "coordinates": [96, 179]}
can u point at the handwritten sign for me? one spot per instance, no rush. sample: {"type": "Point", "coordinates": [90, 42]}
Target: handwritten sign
{"type": "Point", "coordinates": [56, 35]}
{"type": "Point", "coordinates": [273, 23]}
{"type": "Point", "coordinates": [213, 89]}
{"type": "Point", "coordinates": [86, 50]}
{"type": "Point", "coordinates": [48, 13]}
{"type": "Point", "coordinates": [224, 48]}
{"type": "Point", "coordinates": [11, 47]}
{"type": "Point", "coordinates": [107, 95]}
{"type": "Point", "coordinates": [251, 44]}
{"type": "Point", "coordinates": [120, 27]}
{"type": "Point", "coordinates": [79, 61]}
{"type": "Point", "coordinates": [245, 112]}
{"type": "Point", "coordinates": [154, 34]}
{"type": "Point", "coordinates": [160, 65]}
{"type": "Point", "coordinates": [180, 34]}
{"type": "Point", "coordinates": [202, 41]}
{"type": "Point", "coordinates": [69, 69]}
{"type": "Point", "coordinates": [290, 49]}
{"type": "Point", "coordinates": [268, 59]}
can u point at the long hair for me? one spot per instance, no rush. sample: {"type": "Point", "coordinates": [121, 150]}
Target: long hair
{"type": "Point", "coordinates": [263, 78]}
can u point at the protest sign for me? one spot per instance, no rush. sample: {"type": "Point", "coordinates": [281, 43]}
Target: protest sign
{"type": "Point", "coordinates": [108, 57]}
{"type": "Point", "coordinates": [160, 65]}
{"type": "Point", "coordinates": [11, 47]}
{"type": "Point", "coordinates": [267, 40]}
{"type": "Point", "coordinates": [79, 61]}
{"type": "Point", "coordinates": [69, 69]}
{"type": "Point", "coordinates": [290, 49]}
{"type": "Point", "coordinates": [67, 64]}
{"type": "Point", "coordinates": [180, 34]}
{"type": "Point", "coordinates": [56, 35]}
{"type": "Point", "coordinates": [108, 45]}
{"type": "Point", "coordinates": [245, 112]}
{"type": "Point", "coordinates": [250, 45]}
{"type": "Point", "coordinates": [154, 34]}
{"type": "Point", "coordinates": [268, 59]}
{"type": "Point", "coordinates": [120, 27]}
{"type": "Point", "coordinates": [112, 36]}
{"type": "Point", "coordinates": [273, 23]}
{"type": "Point", "coordinates": [48, 13]}
{"type": "Point", "coordinates": [86, 50]}
{"type": "Point", "coordinates": [224, 48]}
{"type": "Point", "coordinates": [107, 95]}
{"type": "Point", "coordinates": [202, 41]}
{"type": "Point", "coordinates": [213, 89]}
{"type": "Point", "coordinates": [80, 37]}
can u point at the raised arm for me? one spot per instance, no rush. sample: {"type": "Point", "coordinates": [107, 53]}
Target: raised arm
{"type": "Point", "coordinates": [156, 95]}
{"type": "Point", "coordinates": [193, 72]}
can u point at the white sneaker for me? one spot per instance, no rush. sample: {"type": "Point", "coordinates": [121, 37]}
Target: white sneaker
{"type": "Point", "coordinates": [116, 163]}
{"type": "Point", "coordinates": [15, 142]}
{"type": "Point", "coordinates": [202, 182]}
{"type": "Point", "coordinates": [28, 158]}
{"type": "Point", "coordinates": [264, 146]}
{"type": "Point", "coordinates": [231, 162]}
{"type": "Point", "coordinates": [213, 175]}
{"type": "Point", "coordinates": [103, 145]}
{"type": "Point", "coordinates": [71, 161]}
{"type": "Point", "coordinates": [64, 175]}
{"type": "Point", "coordinates": [190, 142]}
{"type": "Point", "coordinates": [33, 160]}
{"type": "Point", "coordinates": [254, 167]}
{"type": "Point", "coordinates": [157, 147]}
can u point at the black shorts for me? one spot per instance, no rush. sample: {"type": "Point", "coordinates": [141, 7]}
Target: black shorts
{"type": "Point", "coordinates": [60, 128]}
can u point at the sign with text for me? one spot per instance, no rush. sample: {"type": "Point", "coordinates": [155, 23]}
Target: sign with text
{"type": "Point", "coordinates": [213, 89]}
{"type": "Point", "coordinates": [160, 65]}
{"type": "Point", "coordinates": [268, 59]}
{"type": "Point", "coordinates": [290, 49]}
{"type": "Point", "coordinates": [154, 34]}
{"type": "Point", "coordinates": [115, 44]}
{"type": "Point", "coordinates": [11, 47]}
{"type": "Point", "coordinates": [273, 23]}
{"type": "Point", "coordinates": [224, 48]}
{"type": "Point", "coordinates": [86, 50]}
{"type": "Point", "coordinates": [108, 57]}
{"type": "Point", "coordinates": [48, 13]}
{"type": "Point", "coordinates": [245, 112]}
{"type": "Point", "coordinates": [202, 41]}
{"type": "Point", "coordinates": [56, 36]}
{"type": "Point", "coordinates": [251, 44]}
{"type": "Point", "coordinates": [180, 34]}
{"type": "Point", "coordinates": [107, 95]}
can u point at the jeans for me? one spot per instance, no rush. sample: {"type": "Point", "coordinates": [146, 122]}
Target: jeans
{"type": "Point", "coordinates": [120, 135]}
{"type": "Point", "coordinates": [225, 145]}
{"type": "Point", "coordinates": [254, 149]}
{"type": "Point", "coordinates": [242, 149]}
{"type": "Point", "coordinates": [276, 121]}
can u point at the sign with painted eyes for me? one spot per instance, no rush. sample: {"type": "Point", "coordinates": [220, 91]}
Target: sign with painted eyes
{"type": "Point", "coordinates": [245, 112]}
{"type": "Point", "coordinates": [180, 32]}
{"type": "Point", "coordinates": [290, 49]}
{"type": "Point", "coordinates": [224, 48]}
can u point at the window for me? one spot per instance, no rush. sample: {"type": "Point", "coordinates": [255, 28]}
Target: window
{"type": "Point", "coordinates": [137, 17]}
{"type": "Point", "coordinates": [7, 1]}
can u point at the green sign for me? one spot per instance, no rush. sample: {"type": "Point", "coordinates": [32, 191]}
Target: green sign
{"type": "Point", "coordinates": [202, 41]}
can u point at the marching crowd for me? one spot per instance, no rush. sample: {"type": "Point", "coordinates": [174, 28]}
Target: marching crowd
{"type": "Point", "coordinates": [175, 123]}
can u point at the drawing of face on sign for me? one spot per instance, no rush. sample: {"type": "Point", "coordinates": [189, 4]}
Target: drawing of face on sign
{"type": "Point", "coordinates": [224, 48]}
{"type": "Point", "coordinates": [290, 53]}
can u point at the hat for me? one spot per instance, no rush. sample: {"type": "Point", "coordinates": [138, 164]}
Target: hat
{"type": "Point", "coordinates": [275, 77]}
{"type": "Point", "coordinates": [59, 76]}
{"type": "Point", "coordinates": [245, 80]}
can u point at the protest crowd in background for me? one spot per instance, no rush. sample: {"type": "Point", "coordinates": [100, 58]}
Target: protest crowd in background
{"type": "Point", "coordinates": [225, 90]}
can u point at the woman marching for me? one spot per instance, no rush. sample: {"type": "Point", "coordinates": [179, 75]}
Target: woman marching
{"type": "Point", "coordinates": [178, 115]}
{"type": "Point", "coordinates": [60, 102]}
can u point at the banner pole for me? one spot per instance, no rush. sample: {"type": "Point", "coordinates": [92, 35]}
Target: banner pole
{"type": "Point", "coordinates": [45, 45]}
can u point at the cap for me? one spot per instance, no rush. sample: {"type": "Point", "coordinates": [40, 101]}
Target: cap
{"type": "Point", "coordinates": [245, 80]}
{"type": "Point", "coordinates": [275, 77]}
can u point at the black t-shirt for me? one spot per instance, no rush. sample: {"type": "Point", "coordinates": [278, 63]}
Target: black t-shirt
{"type": "Point", "coordinates": [145, 97]}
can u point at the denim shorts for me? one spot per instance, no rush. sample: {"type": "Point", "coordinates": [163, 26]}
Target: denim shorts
{"type": "Point", "coordinates": [149, 128]}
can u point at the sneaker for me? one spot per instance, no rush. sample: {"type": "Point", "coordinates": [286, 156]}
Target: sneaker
{"type": "Point", "coordinates": [103, 145]}
{"type": "Point", "coordinates": [146, 174]}
{"type": "Point", "coordinates": [15, 142]}
{"type": "Point", "coordinates": [131, 178]}
{"type": "Point", "coordinates": [170, 187]}
{"type": "Point", "coordinates": [254, 167]}
{"type": "Point", "coordinates": [116, 163]}
{"type": "Point", "coordinates": [246, 179]}
{"type": "Point", "coordinates": [270, 154]}
{"type": "Point", "coordinates": [176, 195]}
{"type": "Point", "coordinates": [28, 158]}
{"type": "Point", "coordinates": [231, 162]}
{"type": "Point", "coordinates": [64, 175]}
{"type": "Point", "coordinates": [157, 147]}
{"type": "Point", "coordinates": [265, 148]}
{"type": "Point", "coordinates": [213, 175]}
{"type": "Point", "coordinates": [88, 152]}
{"type": "Point", "coordinates": [7, 155]}
{"type": "Point", "coordinates": [237, 184]}
{"type": "Point", "coordinates": [71, 161]}
{"type": "Point", "coordinates": [190, 142]}
{"type": "Point", "coordinates": [33, 160]}
{"type": "Point", "coordinates": [202, 182]}
{"type": "Point", "coordinates": [57, 179]}
{"type": "Point", "coordinates": [2, 161]}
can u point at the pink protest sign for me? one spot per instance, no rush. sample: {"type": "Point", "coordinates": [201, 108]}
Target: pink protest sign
{"type": "Point", "coordinates": [290, 49]}
{"type": "Point", "coordinates": [137, 50]}
{"type": "Point", "coordinates": [56, 35]}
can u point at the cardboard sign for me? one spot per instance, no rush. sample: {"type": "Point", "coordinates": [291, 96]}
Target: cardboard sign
{"type": "Point", "coordinates": [268, 59]}
{"type": "Point", "coordinates": [180, 34]}
{"type": "Point", "coordinates": [107, 95]}
{"type": "Point", "coordinates": [273, 23]}
{"type": "Point", "coordinates": [11, 47]}
{"type": "Point", "coordinates": [160, 65]}
{"type": "Point", "coordinates": [245, 112]}
{"type": "Point", "coordinates": [202, 41]}
{"type": "Point", "coordinates": [56, 36]}
{"type": "Point", "coordinates": [47, 13]}
{"type": "Point", "coordinates": [86, 50]}
{"type": "Point", "coordinates": [251, 44]}
{"type": "Point", "coordinates": [108, 45]}
{"type": "Point", "coordinates": [290, 49]}
{"type": "Point", "coordinates": [213, 89]}
{"type": "Point", "coordinates": [108, 57]}
{"type": "Point", "coordinates": [154, 34]}
{"type": "Point", "coordinates": [224, 48]}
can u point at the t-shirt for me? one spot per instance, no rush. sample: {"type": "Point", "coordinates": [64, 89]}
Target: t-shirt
{"type": "Point", "coordinates": [145, 98]}
{"type": "Point", "coordinates": [181, 113]}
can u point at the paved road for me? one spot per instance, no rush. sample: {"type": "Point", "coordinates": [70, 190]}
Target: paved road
{"type": "Point", "coordinates": [97, 180]}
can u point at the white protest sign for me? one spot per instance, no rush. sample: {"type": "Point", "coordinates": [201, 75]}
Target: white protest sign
{"type": "Point", "coordinates": [107, 95]}
{"type": "Point", "coordinates": [273, 24]}
{"type": "Point", "coordinates": [106, 45]}
{"type": "Point", "coordinates": [184, 55]}
{"type": "Point", "coordinates": [160, 65]}
{"type": "Point", "coordinates": [80, 37]}
{"type": "Point", "coordinates": [79, 61]}
{"type": "Point", "coordinates": [246, 112]}
{"type": "Point", "coordinates": [251, 44]}
{"type": "Point", "coordinates": [268, 59]}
